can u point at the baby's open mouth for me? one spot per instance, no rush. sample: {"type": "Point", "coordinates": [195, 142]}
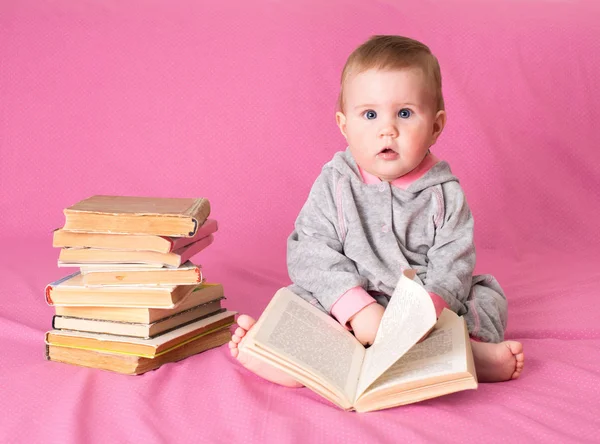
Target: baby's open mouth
{"type": "Point", "coordinates": [388, 154]}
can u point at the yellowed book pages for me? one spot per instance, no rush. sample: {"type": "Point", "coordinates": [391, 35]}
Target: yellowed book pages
{"type": "Point", "coordinates": [148, 348]}
{"type": "Point", "coordinates": [200, 294]}
{"type": "Point", "coordinates": [178, 217]}
{"type": "Point", "coordinates": [111, 241]}
{"type": "Point", "coordinates": [185, 274]}
{"type": "Point", "coordinates": [82, 256]}
{"type": "Point", "coordinates": [129, 242]}
{"type": "Point", "coordinates": [397, 369]}
{"type": "Point", "coordinates": [71, 291]}
{"type": "Point", "coordinates": [137, 329]}
{"type": "Point", "coordinates": [308, 344]}
{"type": "Point", "coordinates": [131, 364]}
{"type": "Point", "coordinates": [439, 365]}
{"type": "Point", "coordinates": [107, 266]}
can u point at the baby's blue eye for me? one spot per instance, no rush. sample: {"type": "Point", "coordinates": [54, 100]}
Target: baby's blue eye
{"type": "Point", "coordinates": [404, 113]}
{"type": "Point", "coordinates": [370, 114]}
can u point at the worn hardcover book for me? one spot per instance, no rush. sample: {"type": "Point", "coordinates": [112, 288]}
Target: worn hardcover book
{"type": "Point", "coordinates": [185, 274]}
{"type": "Point", "coordinates": [413, 357]}
{"type": "Point", "coordinates": [199, 295]}
{"type": "Point", "coordinates": [86, 257]}
{"type": "Point", "coordinates": [129, 364]}
{"type": "Point", "coordinates": [138, 329]}
{"type": "Point", "coordinates": [147, 348]}
{"type": "Point", "coordinates": [159, 216]}
{"type": "Point", "coordinates": [131, 242]}
{"type": "Point", "coordinates": [71, 291]}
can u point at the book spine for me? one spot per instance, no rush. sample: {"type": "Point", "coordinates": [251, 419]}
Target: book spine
{"type": "Point", "coordinates": [222, 324]}
{"type": "Point", "coordinates": [192, 249]}
{"type": "Point", "coordinates": [199, 211]}
{"type": "Point", "coordinates": [208, 227]}
{"type": "Point", "coordinates": [61, 280]}
{"type": "Point", "coordinates": [195, 228]}
{"type": "Point", "coordinates": [49, 287]}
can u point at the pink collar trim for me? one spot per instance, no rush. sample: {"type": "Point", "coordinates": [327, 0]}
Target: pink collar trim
{"type": "Point", "coordinates": [405, 181]}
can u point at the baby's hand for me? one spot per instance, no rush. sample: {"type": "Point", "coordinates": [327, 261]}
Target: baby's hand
{"type": "Point", "coordinates": [366, 322]}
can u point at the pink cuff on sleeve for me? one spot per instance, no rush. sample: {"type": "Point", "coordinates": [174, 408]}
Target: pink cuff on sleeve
{"type": "Point", "coordinates": [349, 304]}
{"type": "Point", "coordinates": [438, 303]}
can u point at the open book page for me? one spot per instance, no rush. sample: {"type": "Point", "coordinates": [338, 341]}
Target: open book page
{"type": "Point", "coordinates": [409, 315]}
{"type": "Point", "coordinates": [443, 352]}
{"type": "Point", "coordinates": [312, 340]}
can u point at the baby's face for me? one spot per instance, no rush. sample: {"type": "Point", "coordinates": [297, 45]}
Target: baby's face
{"type": "Point", "coordinates": [390, 120]}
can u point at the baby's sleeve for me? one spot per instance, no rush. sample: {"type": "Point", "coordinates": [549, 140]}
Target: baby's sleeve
{"type": "Point", "coordinates": [452, 256]}
{"type": "Point", "coordinates": [315, 257]}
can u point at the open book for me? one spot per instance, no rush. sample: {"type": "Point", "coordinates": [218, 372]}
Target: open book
{"type": "Point", "coordinates": [397, 369]}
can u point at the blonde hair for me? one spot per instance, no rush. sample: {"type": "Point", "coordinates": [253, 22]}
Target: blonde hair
{"type": "Point", "coordinates": [390, 52]}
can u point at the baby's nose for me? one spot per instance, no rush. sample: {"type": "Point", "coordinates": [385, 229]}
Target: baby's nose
{"type": "Point", "coordinates": [389, 131]}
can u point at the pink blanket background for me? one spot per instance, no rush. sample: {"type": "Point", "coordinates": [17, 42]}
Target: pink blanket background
{"type": "Point", "coordinates": [235, 101]}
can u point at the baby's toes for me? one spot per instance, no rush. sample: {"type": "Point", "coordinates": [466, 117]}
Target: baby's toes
{"type": "Point", "coordinates": [233, 349]}
{"type": "Point", "coordinates": [236, 339]}
{"type": "Point", "coordinates": [239, 333]}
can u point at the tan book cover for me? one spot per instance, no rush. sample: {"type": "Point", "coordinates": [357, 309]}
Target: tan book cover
{"type": "Point", "coordinates": [80, 257]}
{"type": "Point", "coordinates": [132, 364]}
{"type": "Point", "coordinates": [148, 348]}
{"type": "Point", "coordinates": [201, 294]}
{"type": "Point", "coordinates": [178, 217]}
{"type": "Point", "coordinates": [185, 274]}
{"type": "Point", "coordinates": [397, 369]}
{"type": "Point", "coordinates": [138, 329]}
{"type": "Point", "coordinates": [70, 290]}
{"type": "Point", "coordinates": [129, 242]}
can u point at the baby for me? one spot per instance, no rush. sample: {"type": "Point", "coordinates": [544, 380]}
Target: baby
{"type": "Point", "coordinates": [387, 204]}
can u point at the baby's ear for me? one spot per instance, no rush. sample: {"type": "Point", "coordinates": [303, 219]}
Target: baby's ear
{"type": "Point", "coordinates": [438, 125]}
{"type": "Point", "coordinates": [340, 119]}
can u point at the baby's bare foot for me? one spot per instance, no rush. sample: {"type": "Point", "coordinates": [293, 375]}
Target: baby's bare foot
{"type": "Point", "coordinates": [498, 362]}
{"type": "Point", "coordinates": [263, 370]}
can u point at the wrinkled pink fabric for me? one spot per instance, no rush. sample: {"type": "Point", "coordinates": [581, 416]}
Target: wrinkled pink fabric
{"type": "Point", "coordinates": [235, 101]}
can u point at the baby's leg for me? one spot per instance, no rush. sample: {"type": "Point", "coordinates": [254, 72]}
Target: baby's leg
{"type": "Point", "coordinates": [263, 370]}
{"type": "Point", "coordinates": [495, 360]}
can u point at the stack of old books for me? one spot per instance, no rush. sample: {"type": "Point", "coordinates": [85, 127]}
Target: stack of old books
{"type": "Point", "coordinates": [137, 301]}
